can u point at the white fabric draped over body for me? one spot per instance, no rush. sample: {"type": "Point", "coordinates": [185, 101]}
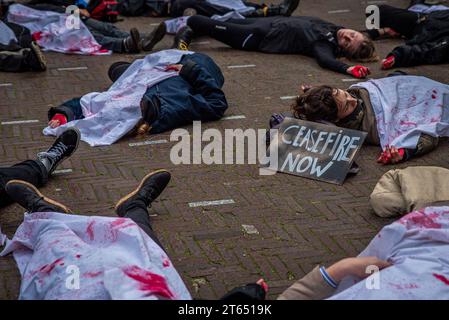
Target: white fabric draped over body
{"type": "Point", "coordinates": [111, 114]}
{"type": "Point", "coordinates": [51, 31]}
{"type": "Point", "coordinates": [406, 106]}
{"type": "Point", "coordinates": [418, 246]}
{"type": "Point", "coordinates": [6, 34]}
{"type": "Point", "coordinates": [64, 256]}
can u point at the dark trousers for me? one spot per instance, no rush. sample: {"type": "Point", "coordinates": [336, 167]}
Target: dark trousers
{"type": "Point", "coordinates": [140, 216]}
{"type": "Point", "coordinates": [107, 35]}
{"type": "Point", "coordinates": [405, 22]}
{"type": "Point", "coordinates": [243, 34]}
{"type": "Point", "coordinates": [31, 171]}
{"type": "Point", "coordinates": [15, 57]}
{"type": "Point", "coordinates": [202, 7]}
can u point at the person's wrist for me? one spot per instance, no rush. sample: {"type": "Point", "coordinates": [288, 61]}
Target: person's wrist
{"type": "Point", "coordinates": [340, 270]}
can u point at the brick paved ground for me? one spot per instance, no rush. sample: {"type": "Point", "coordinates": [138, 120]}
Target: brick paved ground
{"type": "Point", "coordinates": [300, 222]}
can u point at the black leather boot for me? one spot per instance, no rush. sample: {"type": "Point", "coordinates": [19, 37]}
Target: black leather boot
{"type": "Point", "coordinates": [183, 38]}
{"type": "Point", "coordinates": [29, 197]}
{"type": "Point", "coordinates": [148, 190]}
{"type": "Point", "coordinates": [286, 8]}
{"type": "Point", "coordinates": [131, 44]}
{"type": "Point", "coordinates": [154, 37]}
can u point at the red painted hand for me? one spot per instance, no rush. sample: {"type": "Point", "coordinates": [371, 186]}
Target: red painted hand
{"type": "Point", "coordinates": [359, 71]}
{"type": "Point", "coordinates": [388, 63]}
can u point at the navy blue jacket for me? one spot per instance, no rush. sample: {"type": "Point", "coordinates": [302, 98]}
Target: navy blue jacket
{"type": "Point", "coordinates": [195, 95]}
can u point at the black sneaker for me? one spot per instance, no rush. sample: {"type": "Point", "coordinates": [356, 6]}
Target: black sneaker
{"type": "Point", "coordinates": [131, 43]}
{"type": "Point", "coordinates": [29, 197]}
{"type": "Point", "coordinates": [148, 42]}
{"type": "Point", "coordinates": [64, 146]}
{"type": "Point", "coordinates": [183, 39]}
{"type": "Point", "coordinates": [36, 59]}
{"type": "Point", "coordinates": [148, 190]}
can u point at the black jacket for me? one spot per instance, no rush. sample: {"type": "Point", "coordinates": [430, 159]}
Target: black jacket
{"type": "Point", "coordinates": [309, 36]}
{"type": "Point", "coordinates": [430, 45]}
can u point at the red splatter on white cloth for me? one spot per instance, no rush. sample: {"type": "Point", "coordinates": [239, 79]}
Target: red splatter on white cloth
{"type": "Point", "coordinates": [406, 106]}
{"type": "Point", "coordinates": [114, 260]}
{"type": "Point", "coordinates": [111, 114]}
{"type": "Point", "coordinates": [417, 245]}
{"type": "Point", "coordinates": [50, 30]}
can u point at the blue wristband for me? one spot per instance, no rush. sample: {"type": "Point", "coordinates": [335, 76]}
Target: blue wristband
{"type": "Point", "coordinates": [328, 278]}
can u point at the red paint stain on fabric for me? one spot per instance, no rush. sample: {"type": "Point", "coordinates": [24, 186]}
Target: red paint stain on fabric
{"type": "Point", "coordinates": [90, 230]}
{"type": "Point", "coordinates": [434, 96]}
{"type": "Point", "coordinates": [166, 263]}
{"type": "Point", "coordinates": [149, 281]}
{"type": "Point", "coordinates": [405, 286]}
{"type": "Point", "coordinates": [92, 274]}
{"type": "Point", "coordinates": [118, 224]}
{"type": "Point", "coordinates": [407, 123]}
{"type": "Point", "coordinates": [441, 278]}
{"type": "Point", "coordinates": [78, 256]}
{"type": "Point", "coordinates": [420, 219]}
{"type": "Point", "coordinates": [37, 36]}
{"type": "Point", "coordinates": [49, 267]}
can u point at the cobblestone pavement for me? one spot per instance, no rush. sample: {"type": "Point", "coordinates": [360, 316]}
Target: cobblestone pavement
{"type": "Point", "coordinates": [298, 223]}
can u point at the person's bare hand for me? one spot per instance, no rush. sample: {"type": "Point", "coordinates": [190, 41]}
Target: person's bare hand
{"type": "Point", "coordinates": [391, 155]}
{"type": "Point", "coordinates": [54, 123]}
{"type": "Point", "coordinates": [355, 267]}
{"type": "Point", "coordinates": [391, 33]}
{"type": "Point", "coordinates": [84, 12]}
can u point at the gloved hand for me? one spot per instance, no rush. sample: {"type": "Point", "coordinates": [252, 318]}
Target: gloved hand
{"type": "Point", "coordinates": [388, 63]}
{"type": "Point", "coordinates": [358, 71]}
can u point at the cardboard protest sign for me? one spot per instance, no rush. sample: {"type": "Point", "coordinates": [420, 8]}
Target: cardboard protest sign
{"type": "Point", "coordinates": [316, 151]}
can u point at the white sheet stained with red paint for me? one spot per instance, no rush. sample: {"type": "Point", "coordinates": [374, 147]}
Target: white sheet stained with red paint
{"type": "Point", "coordinates": [51, 33]}
{"type": "Point", "coordinates": [115, 258]}
{"type": "Point", "coordinates": [418, 245]}
{"type": "Point", "coordinates": [406, 106]}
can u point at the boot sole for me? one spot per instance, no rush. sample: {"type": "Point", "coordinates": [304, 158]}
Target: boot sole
{"type": "Point", "coordinates": [158, 36]}
{"type": "Point", "coordinates": [132, 193]}
{"type": "Point", "coordinates": [51, 201]}
{"type": "Point", "coordinates": [39, 55]}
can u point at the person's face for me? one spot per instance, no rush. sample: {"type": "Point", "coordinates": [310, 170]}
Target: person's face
{"type": "Point", "coordinates": [346, 103]}
{"type": "Point", "coordinates": [349, 40]}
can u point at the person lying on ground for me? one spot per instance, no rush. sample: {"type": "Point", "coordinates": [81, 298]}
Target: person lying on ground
{"type": "Point", "coordinates": [309, 36]}
{"type": "Point", "coordinates": [18, 52]}
{"type": "Point", "coordinates": [403, 114]}
{"type": "Point", "coordinates": [426, 34]}
{"type": "Point", "coordinates": [92, 36]}
{"type": "Point", "coordinates": [164, 91]}
{"type": "Point", "coordinates": [403, 262]}
{"type": "Point", "coordinates": [37, 172]}
{"type": "Point", "coordinates": [67, 256]}
{"type": "Point", "coordinates": [208, 8]}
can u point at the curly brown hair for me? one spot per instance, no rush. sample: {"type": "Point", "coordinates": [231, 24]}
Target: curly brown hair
{"type": "Point", "coordinates": [317, 103]}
